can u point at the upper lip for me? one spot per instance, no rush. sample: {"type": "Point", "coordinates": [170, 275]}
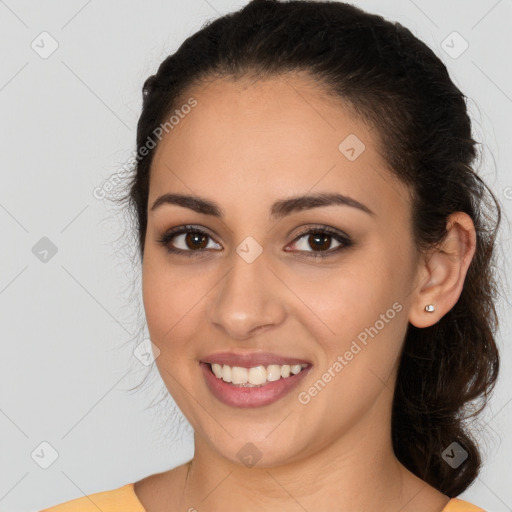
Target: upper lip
{"type": "Point", "coordinates": [251, 360]}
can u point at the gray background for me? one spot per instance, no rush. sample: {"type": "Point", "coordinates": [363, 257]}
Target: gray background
{"type": "Point", "coordinates": [70, 320]}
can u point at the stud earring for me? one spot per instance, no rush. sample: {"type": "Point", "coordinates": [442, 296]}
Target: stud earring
{"type": "Point", "coordinates": [430, 308]}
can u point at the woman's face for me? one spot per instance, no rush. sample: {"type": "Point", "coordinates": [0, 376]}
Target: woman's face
{"type": "Point", "coordinates": [256, 284]}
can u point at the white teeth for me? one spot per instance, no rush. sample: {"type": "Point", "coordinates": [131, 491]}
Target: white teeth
{"type": "Point", "coordinates": [217, 370]}
{"type": "Point", "coordinates": [273, 372]}
{"type": "Point", "coordinates": [256, 376]}
{"type": "Point", "coordinates": [239, 375]}
{"type": "Point", "coordinates": [296, 368]}
{"type": "Point", "coordinates": [226, 373]}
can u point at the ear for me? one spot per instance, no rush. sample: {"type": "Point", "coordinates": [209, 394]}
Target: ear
{"type": "Point", "coordinates": [442, 272]}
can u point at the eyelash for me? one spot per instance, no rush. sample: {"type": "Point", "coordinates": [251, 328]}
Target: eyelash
{"type": "Point", "coordinates": [166, 238]}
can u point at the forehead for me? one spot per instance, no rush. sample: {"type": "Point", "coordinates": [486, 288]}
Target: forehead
{"type": "Point", "coordinates": [258, 141]}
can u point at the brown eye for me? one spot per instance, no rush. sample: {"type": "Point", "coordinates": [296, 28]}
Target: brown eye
{"type": "Point", "coordinates": [186, 240]}
{"type": "Point", "coordinates": [191, 241]}
{"type": "Point", "coordinates": [195, 240]}
{"type": "Point", "coordinates": [317, 242]}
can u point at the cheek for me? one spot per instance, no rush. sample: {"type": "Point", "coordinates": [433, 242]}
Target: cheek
{"type": "Point", "coordinates": [346, 299]}
{"type": "Point", "coordinates": [358, 311]}
{"type": "Point", "coordinates": [156, 297]}
{"type": "Point", "coordinates": [164, 299]}
{"type": "Point", "coordinates": [360, 339]}
{"type": "Point", "coordinates": [174, 298]}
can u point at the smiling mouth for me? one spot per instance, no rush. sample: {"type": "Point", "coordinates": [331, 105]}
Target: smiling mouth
{"type": "Point", "coordinates": [257, 376]}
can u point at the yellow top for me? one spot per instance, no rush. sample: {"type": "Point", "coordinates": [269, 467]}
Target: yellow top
{"type": "Point", "coordinates": [124, 499]}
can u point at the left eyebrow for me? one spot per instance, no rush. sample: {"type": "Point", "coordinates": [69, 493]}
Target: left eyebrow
{"type": "Point", "coordinates": [279, 209]}
{"type": "Point", "coordinates": [284, 207]}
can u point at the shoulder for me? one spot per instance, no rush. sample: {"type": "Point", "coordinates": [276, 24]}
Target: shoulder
{"type": "Point", "coordinates": [156, 491]}
{"type": "Point", "coordinates": [456, 505]}
{"type": "Point", "coordinates": [122, 499]}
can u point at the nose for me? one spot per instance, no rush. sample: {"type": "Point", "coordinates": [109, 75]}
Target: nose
{"type": "Point", "coordinates": [249, 299]}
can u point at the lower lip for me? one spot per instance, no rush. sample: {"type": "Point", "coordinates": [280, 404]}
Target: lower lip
{"type": "Point", "coordinates": [237, 396]}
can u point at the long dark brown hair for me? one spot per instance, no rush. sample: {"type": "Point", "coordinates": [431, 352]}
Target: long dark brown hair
{"type": "Point", "coordinates": [396, 84]}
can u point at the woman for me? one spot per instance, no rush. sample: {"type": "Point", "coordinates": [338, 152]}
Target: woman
{"type": "Point", "coordinates": [316, 265]}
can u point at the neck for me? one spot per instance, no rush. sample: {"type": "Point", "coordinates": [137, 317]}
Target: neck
{"type": "Point", "coordinates": [357, 472]}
